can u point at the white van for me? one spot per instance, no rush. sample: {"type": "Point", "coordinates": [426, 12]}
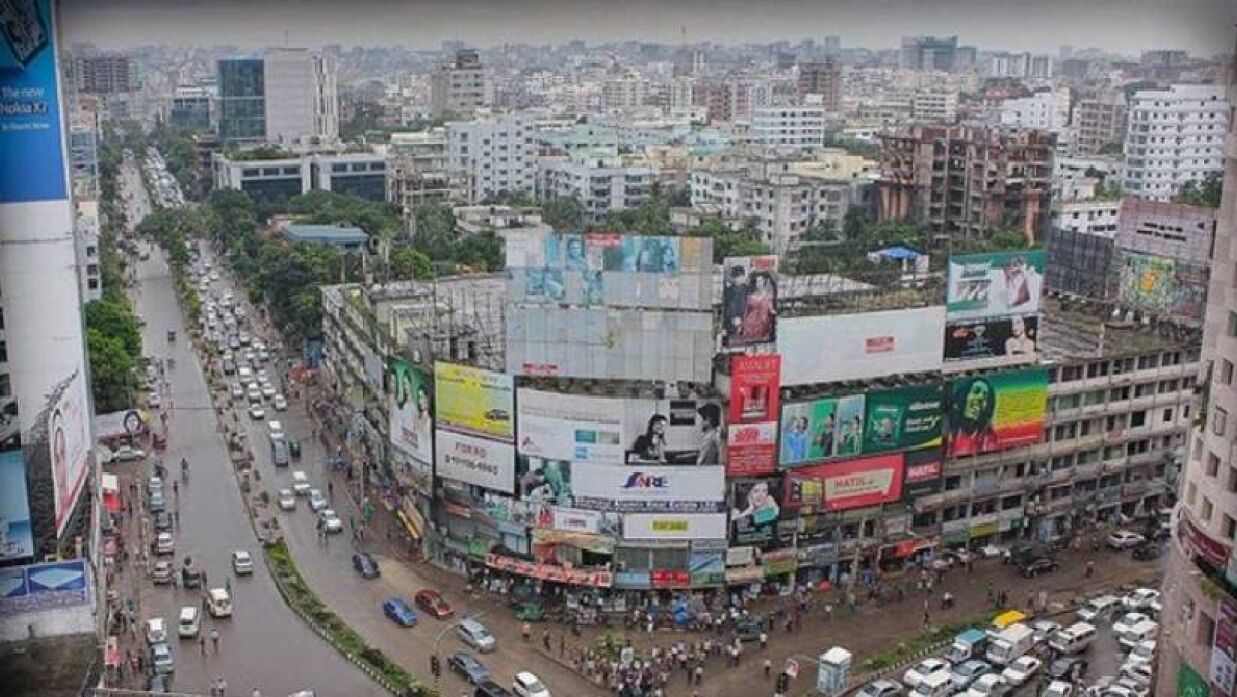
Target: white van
{"type": "Point", "coordinates": [1073, 639]}
{"type": "Point", "coordinates": [938, 684]}
{"type": "Point", "coordinates": [156, 631]}
{"type": "Point", "coordinates": [190, 622]}
{"type": "Point", "coordinates": [219, 602]}
{"type": "Point", "coordinates": [1099, 608]}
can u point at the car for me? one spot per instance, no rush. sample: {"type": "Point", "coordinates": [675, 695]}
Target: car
{"type": "Point", "coordinates": [1147, 551]}
{"type": "Point", "coordinates": [330, 521]}
{"type": "Point", "coordinates": [1123, 624]}
{"type": "Point", "coordinates": [915, 674]}
{"type": "Point", "coordinates": [287, 500]}
{"type": "Point", "coordinates": [317, 501]}
{"type": "Point", "coordinates": [1124, 539]}
{"type": "Point", "coordinates": [988, 685]}
{"type": "Point", "coordinates": [161, 658]}
{"type": "Point", "coordinates": [274, 429]}
{"type": "Point", "coordinates": [268, 391]}
{"type": "Point", "coordinates": [280, 403]}
{"type": "Point", "coordinates": [162, 573]}
{"type": "Point", "coordinates": [156, 502]}
{"type": "Point", "coordinates": [881, 688]}
{"type": "Point", "coordinates": [237, 391]}
{"type": "Point", "coordinates": [1142, 652]}
{"type": "Point", "coordinates": [253, 394]}
{"type": "Point", "coordinates": [476, 635]}
{"type": "Point", "coordinates": [365, 565]}
{"type": "Point", "coordinates": [1099, 607]}
{"type": "Point", "coordinates": [162, 521]}
{"type": "Point", "coordinates": [1021, 670]}
{"type": "Point", "coordinates": [967, 672]}
{"type": "Point", "coordinates": [433, 604]}
{"type": "Point", "coordinates": [961, 556]}
{"type": "Point", "coordinates": [527, 684]}
{"type": "Point", "coordinates": [165, 544]}
{"type": "Point", "coordinates": [300, 482]}
{"type": "Point", "coordinates": [1042, 629]}
{"type": "Point", "coordinates": [991, 551]}
{"type": "Point", "coordinates": [1140, 599]}
{"type": "Point", "coordinates": [468, 667]}
{"type": "Point", "coordinates": [256, 412]}
{"type": "Point", "coordinates": [1068, 668]}
{"type": "Point", "coordinates": [1139, 673]}
{"type": "Point", "coordinates": [1038, 566]}
{"type": "Point", "coordinates": [242, 562]}
{"type": "Point", "coordinates": [127, 453]}
{"type": "Point", "coordinates": [399, 611]}
{"type": "Point", "coordinates": [1057, 688]}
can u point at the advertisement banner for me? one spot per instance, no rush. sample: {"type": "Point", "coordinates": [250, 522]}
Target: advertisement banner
{"type": "Point", "coordinates": [1224, 648]}
{"type": "Point", "coordinates": [474, 401]}
{"type": "Point", "coordinates": [999, 341]}
{"type": "Point", "coordinates": [995, 284]}
{"type": "Point", "coordinates": [996, 411]}
{"type": "Point", "coordinates": [755, 386]}
{"type": "Point", "coordinates": [708, 568]}
{"type": "Point", "coordinates": [1190, 683]}
{"type": "Point", "coordinates": [840, 486]}
{"type": "Point", "coordinates": [544, 481]}
{"type": "Point", "coordinates": [39, 587]}
{"type": "Point", "coordinates": [753, 520]}
{"type": "Point", "coordinates": [68, 426]}
{"type": "Point", "coordinates": [16, 535]}
{"type": "Point", "coordinates": [859, 346]}
{"type": "Point", "coordinates": [599, 578]}
{"type": "Point", "coordinates": [906, 418]}
{"type": "Point", "coordinates": [923, 471]}
{"type": "Point", "coordinates": [822, 429]}
{"type": "Point", "coordinates": [749, 300]}
{"type": "Point", "coordinates": [31, 134]}
{"type": "Point", "coordinates": [648, 488]}
{"type": "Point", "coordinates": [576, 520]}
{"type": "Point", "coordinates": [674, 526]}
{"type": "Point", "coordinates": [411, 410]}
{"type": "Point", "coordinates": [477, 461]}
{"type": "Point", "coordinates": [680, 430]}
{"type": "Point", "coordinates": [1161, 285]}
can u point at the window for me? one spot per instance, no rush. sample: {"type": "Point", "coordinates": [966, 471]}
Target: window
{"type": "Point", "coordinates": [1138, 418]}
{"type": "Point", "coordinates": [1191, 493]}
{"type": "Point", "coordinates": [1213, 465]}
{"type": "Point", "coordinates": [1232, 323]}
{"type": "Point", "coordinates": [1225, 376]}
{"type": "Point", "coordinates": [1219, 421]}
{"type": "Point", "coordinates": [1232, 480]}
{"type": "Point", "coordinates": [1167, 415]}
{"type": "Point", "coordinates": [1228, 527]}
{"type": "Point", "coordinates": [1206, 509]}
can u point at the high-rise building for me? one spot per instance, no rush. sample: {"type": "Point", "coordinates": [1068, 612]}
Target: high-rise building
{"type": "Point", "coordinates": [1045, 110]}
{"type": "Point", "coordinates": [929, 53]}
{"type": "Point", "coordinates": [797, 126]}
{"type": "Point", "coordinates": [302, 102]}
{"type": "Point", "coordinates": [626, 91]}
{"type": "Point", "coordinates": [600, 180]}
{"type": "Point", "coordinates": [1200, 586]}
{"type": "Point", "coordinates": [460, 86]}
{"type": "Point", "coordinates": [1174, 136]}
{"type": "Point", "coordinates": [1099, 121]}
{"type": "Point", "coordinates": [106, 74]}
{"type": "Point", "coordinates": [191, 107]}
{"type": "Point", "coordinates": [417, 171]}
{"type": "Point", "coordinates": [935, 104]}
{"type": "Point", "coordinates": [823, 78]}
{"type": "Point", "coordinates": [494, 154]}
{"type": "Point", "coordinates": [242, 100]}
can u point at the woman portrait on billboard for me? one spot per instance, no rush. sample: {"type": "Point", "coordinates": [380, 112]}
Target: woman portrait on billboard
{"type": "Point", "coordinates": [759, 308]}
{"type": "Point", "coordinates": [972, 409]}
{"type": "Point", "coordinates": [1020, 341]}
{"type": "Point", "coordinates": [650, 446]}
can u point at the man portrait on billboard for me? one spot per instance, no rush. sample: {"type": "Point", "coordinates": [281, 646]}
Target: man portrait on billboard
{"type": "Point", "coordinates": [657, 255]}
{"type": "Point", "coordinates": [575, 257]}
{"type": "Point", "coordinates": [795, 439]}
{"type": "Point", "coordinates": [824, 435]}
{"type": "Point", "coordinates": [971, 411]}
{"type": "Point", "coordinates": [760, 505]}
{"type": "Point", "coordinates": [710, 452]}
{"type": "Point", "coordinates": [1020, 342]}
{"type": "Point", "coordinates": [734, 300]}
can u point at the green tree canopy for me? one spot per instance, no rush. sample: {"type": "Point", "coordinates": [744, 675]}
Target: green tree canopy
{"type": "Point", "coordinates": [115, 320]}
{"type": "Point", "coordinates": [111, 372]}
{"type": "Point", "coordinates": [563, 214]}
{"type": "Point", "coordinates": [1208, 193]}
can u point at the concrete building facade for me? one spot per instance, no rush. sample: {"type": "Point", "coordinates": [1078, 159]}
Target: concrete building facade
{"type": "Point", "coordinates": [460, 86]}
{"type": "Point", "coordinates": [1099, 121]}
{"type": "Point", "coordinates": [824, 78]}
{"type": "Point", "coordinates": [1174, 136]}
{"type": "Point", "coordinates": [800, 127]}
{"type": "Point", "coordinates": [600, 180]}
{"type": "Point", "coordinates": [495, 155]}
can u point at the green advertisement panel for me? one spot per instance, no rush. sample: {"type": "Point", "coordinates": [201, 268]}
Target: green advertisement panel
{"type": "Point", "coordinates": [907, 418]}
{"type": "Point", "coordinates": [1190, 683]}
{"type": "Point", "coordinates": [995, 284]}
{"type": "Point", "coordinates": [996, 411]}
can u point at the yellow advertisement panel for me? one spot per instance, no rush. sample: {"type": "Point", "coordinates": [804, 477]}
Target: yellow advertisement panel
{"type": "Point", "coordinates": [474, 401]}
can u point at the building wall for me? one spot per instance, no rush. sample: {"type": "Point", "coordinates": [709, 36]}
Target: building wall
{"type": "Point", "coordinates": [1174, 136]}
{"type": "Point", "coordinates": [494, 154]}
{"type": "Point", "coordinates": [242, 100]}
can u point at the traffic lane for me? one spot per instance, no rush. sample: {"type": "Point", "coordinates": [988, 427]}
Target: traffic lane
{"type": "Point", "coordinates": [262, 645]}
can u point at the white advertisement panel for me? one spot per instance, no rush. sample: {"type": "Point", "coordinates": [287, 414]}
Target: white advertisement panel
{"type": "Point", "coordinates": [569, 427]}
{"type": "Point", "coordinates": [860, 346]}
{"type": "Point", "coordinates": [648, 488]}
{"type": "Point", "coordinates": [674, 526]}
{"type": "Point", "coordinates": [477, 461]}
{"type": "Point", "coordinates": [576, 520]}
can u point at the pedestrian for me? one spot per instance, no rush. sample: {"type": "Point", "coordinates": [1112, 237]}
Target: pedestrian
{"type": "Point", "coordinates": [699, 673]}
{"type": "Point", "coordinates": [927, 619]}
{"type": "Point", "coordinates": [545, 640]}
{"type": "Point", "coordinates": [526, 631]}
{"type": "Point", "coordinates": [202, 643]}
{"type": "Point", "coordinates": [214, 639]}
{"type": "Point", "coordinates": [768, 667]}
{"type": "Point", "coordinates": [764, 640]}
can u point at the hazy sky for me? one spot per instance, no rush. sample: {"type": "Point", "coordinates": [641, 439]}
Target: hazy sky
{"type": "Point", "coordinates": [1204, 27]}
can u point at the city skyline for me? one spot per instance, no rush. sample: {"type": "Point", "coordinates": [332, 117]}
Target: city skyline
{"type": "Point", "coordinates": [1201, 26]}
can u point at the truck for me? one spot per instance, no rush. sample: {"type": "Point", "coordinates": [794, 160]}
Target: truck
{"type": "Point", "coordinates": [967, 645]}
{"type": "Point", "coordinates": [1010, 644]}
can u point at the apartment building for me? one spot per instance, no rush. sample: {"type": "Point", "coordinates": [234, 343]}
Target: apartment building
{"type": "Point", "coordinates": [1174, 136]}
{"type": "Point", "coordinates": [1093, 216]}
{"type": "Point", "coordinates": [823, 78]}
{"type": "Point", "coordinates": [417, 171]}
{"type": "Point", "coordinates": [967, 181]}
{"type": "Point", "coordinates": [928, 53]}
{"type": "Point", "coordinates": [626, 91]}
{"type": "Point", "coordinates": [792, 126]}
{"type": "Point", "coordinates": [495, 155]}
{"type": "Point", "coordinates": [600, 180]}
{"type": "Point", "coordinates": [106, 74]}
{"type": "Point", "coordinates": [86, 238]}
{"type": "Point", "coordinates": [460, 86]}
{"type": "Point", "coordinates": [1043, 110]}
{"type": "Point", "coordinates": [191, 107]}
{"type": "Point", "coordinates": [1200, 585]}
{"type": "Point", "coordinates": [1099, 121]}
{"type": "Point", "coordinates": [301, 96]}
{"type": "Point", "coordinates": [938, 105]}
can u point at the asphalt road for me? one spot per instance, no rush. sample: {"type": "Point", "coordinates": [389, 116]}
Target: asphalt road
{"type": "Point", "coordinates": [263, 645]}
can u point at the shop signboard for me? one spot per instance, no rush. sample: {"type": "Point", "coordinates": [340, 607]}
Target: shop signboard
{"type": "Point", "coordinates": [822, 429]}
{"type": "Point", "coordinates": [474, 401]}
{"type": "Point", "coordinates": [923, 471]}
{"type": "Point", "coordinates": [736, 575]}
{"type": "Point", "coordinates": [632, 579]}
{"type": "Point", "coordinates": [674, 526]}
{"type": "Point", "coordinates": [995, 284]}
{"type": "Point", "coordinates": [780, 561]}
{"type": "Point", "coordinates": [708, 568]}
{"type": "Point", "coordinates": [839, 486]}
{"type": "Point", "coordinates": [755, 382]}
{"type": "Point", "coordinates": [1190, 683]}
{"type": "Point", "coordinates": [996, 411]}
{"type": "Point", "coordinates": [31, 135]}
{"type": "Point", "coordinates": [740, 556]}
{"type": "Point", "coordinates": [1224, 647]}
{"type": "Point", "coordinates": [685, 489]}
{"type": "Point", "coordinates": [670, 578]}
{"type": "Point", "coordinates": [859, 346]}
{"type": "Point", "coordinates": [478, 461]}
{"type": "Point", "coordinates": [1214, 552]}
{"type": "Point", "coordinates": [905, 418]}
{"type": "Point", "coordinates": [597, 578]}
{"type": "Point", "coordinates": [749, 300]}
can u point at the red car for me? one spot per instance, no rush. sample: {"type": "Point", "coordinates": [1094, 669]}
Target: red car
{"type": "Point", "coordinates": [433, 604]}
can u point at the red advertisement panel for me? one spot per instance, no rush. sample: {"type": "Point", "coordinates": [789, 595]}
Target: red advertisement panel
{"type": "Point", "coordinates": [846, 484]}
{"type": "Point", "coordinates": [755, 383]}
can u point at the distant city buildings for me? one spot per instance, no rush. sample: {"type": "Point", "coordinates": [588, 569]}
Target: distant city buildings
{"type": "Point", "coordinates": [823, 78]}
{"type": "Point", "coordinates": [461, 86]}
{"type": "Point", "coordinates": [1175, 136]}
{"type": "Point", "coordinates": [288, 96]}
{"type": "Point", "coordinates": [929, 53]}
{"type": "Point", "coordinates": [599, 180]}
{"type": "Point", "coordinates": [494, 155]}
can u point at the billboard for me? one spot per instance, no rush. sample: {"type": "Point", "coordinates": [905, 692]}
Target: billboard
{"type": "Point", "coordinates": [474, 401]}
{"type": "Point", "coordinates": [39, 587]}
{"type": "Point", "coordinates": [544, 481]}
{"type": "Point", "coordinates": [995, 284]}
{"type": "Point", "coordinates": [753, 519]}
{"type": "Point", "coordinates": [683, 429]}
{"type": "Point", "coordinates": [16, 535]}
{"type": "Point", "coordinates": [923, 469]}
{"type": "Point", "coordinates": [904, 418]}
{"type": "Point", "coordinates": [1223, 672]}
{"type": "Point", "coordinates": [608, 343]}
{"type": "Point", "coordinates": [648, 488]}
{"type": "Point", "coordinates": [674, 526]}
{"type": "Point", "coordinates": [822, 429]}
{"type": "Point", "coordinates": [831, 348]}
{"type": "Point", "coordinates": [997, 341]}
{"type": "Point", "coordinates": [33, 168]}
{"type": "Point", "coordinates": [610, 269]}
{"type": "Point", "coordinates": [411, 409]}
{"type": "Point", "coordinates": [840, 486]}
{"type": "Point", "coordinates": [1161, 285]}
{"type": "Point", "coordinates": [477, 461]}
{"type": "Point", "coordinates": [68, 442]}
{"type": "Point", "coordinates": [749, 300]}
{"type": "Point", "coordinates": [755, 403]}
{"type": "Point", "coordinates": [996, 411]}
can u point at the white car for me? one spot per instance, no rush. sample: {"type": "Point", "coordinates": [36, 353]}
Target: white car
{"type": "Point", "coordinates": [1139, 673]}
{"type": "Point", "coordinates": [317, 501]}
{"type": "Point", "coordinates": [330, 520]}
{"type": "Point", "coordinates": [988, 685]}
{"type": "Point", "coordinates": [1141, 599]}
{"type": "Point", "coordinates": [1142, 652]}
{"type": "Point", "coordinates": [915, 674]}
{"type": "Point", "coordinates": [268, 391]}
{"type": "Point", "coordinates": [274, 429]}
{"type": "Point", "coordinates": [280, 403]}
{"type": "Point", "coordinates": [300, 482]}
{"type": "Point", "coordinates": [165, 544]}
{"type": "Point", "coordinates": [242, 563]}
{"type": "Point", "coordinates": [1021, 670]}
{"type": "Point", "coordinates": [1124, 539]}
{"type": "Point", "coordinates": [1058, 688]}
{"type": "Point", "coordinates": [1126, 622]}
{"type": "Point", "coordinates": [256, 412]}
{"type": "Point", "coordinates": [254, 394]}
{"type": "Point", "coordinates": [528, 685]}
{"type": "Point", "coordinates": [237, 391]}
{"type": "Point", "coordinates": [127, 453]}
{"type": "Point", "coordinates": [1042, 629]}
{"type": "Point", "coordinates": [287, 500]}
